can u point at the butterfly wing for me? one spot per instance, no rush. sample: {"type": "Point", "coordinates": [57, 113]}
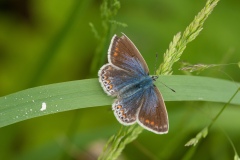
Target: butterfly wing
{"type": "Point", "coordinates": [126, 109]}
{"type": "Point", "coordinates": [146, 107]}
{"type": "Point", "coordinates": [114, 79]}
{"type": "Point", "coordinates": [123, 54]}
{"type": "Point", "coordinates": [125, 66]}
{"type": "Point", "coordinates": [153, 114]}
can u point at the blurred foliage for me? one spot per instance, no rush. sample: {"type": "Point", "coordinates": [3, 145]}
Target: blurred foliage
{"type": "Point", "coordinates": [44, 42]}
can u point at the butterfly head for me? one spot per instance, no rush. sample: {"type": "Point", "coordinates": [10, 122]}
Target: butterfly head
{"type": "Point", "coordinates": [154, 78]}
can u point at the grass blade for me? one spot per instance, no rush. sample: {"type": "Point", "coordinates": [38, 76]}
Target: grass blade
{"type": "Point", "coordinates": [72, 95]}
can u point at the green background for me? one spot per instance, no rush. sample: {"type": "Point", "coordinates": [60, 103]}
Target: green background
{"type": "Point", "coordinates": [45, 42]}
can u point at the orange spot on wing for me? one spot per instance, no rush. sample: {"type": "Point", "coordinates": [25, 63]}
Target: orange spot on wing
{"type": "Point", "coordinates": [115, 54]}
{"type": "Point", "coordinates": [147, 121]}
{"type": "Point", "coordinates": [119, 107]}
{"type": "Point", "coordinates": [109, 87]}
{"type": "Point", "coordinates": [108, 81]}
{"type": "Point", "coordinates": [152, 123]}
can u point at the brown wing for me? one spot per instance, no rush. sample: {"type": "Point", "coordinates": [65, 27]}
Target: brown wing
{"type": "Point", "coordinates": [113, 79]}
{"type": "Point", "coordinates": [123, 54]}
{"type": "Point", "coordinates": [153, 114]}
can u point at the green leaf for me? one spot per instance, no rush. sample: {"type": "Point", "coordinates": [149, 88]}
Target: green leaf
{"type": "Point", "coordinates": [72, 95]}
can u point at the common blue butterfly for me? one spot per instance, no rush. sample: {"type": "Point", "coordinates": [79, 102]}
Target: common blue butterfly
{"type": "Point", "coordinates": [126, 76]}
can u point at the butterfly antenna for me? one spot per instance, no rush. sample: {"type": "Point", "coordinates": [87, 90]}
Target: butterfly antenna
{"type": "Point", "coordinates": [156, 76]}
{"type": "Point", "coordinates": [168, 87]}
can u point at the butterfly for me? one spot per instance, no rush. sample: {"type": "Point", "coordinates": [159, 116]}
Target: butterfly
{"type": "Point", "coordinates": [126, 76]}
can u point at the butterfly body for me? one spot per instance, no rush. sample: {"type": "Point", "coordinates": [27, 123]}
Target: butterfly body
{"type": "Point", "coordinates": [139, 85]}
{"type": "Point", "coordinates": [126, 77]}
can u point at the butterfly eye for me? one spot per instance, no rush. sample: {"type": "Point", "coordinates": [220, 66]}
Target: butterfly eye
{"type": "Point", "coordinates": [154, 78]}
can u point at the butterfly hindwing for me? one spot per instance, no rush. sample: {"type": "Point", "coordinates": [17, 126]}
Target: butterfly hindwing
{"type": "Point", "coordinates": [153, 114]}
{"type": "Point", "coordinates": [126, 109]}
{"type": "Point", "coordinates": [113, 79]}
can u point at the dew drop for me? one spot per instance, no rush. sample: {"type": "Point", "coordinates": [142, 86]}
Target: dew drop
{"type": "Point", "coordinates": [44, 106]}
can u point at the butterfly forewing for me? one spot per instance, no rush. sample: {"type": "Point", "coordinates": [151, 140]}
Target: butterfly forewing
{"type": "Point", "coordinates": [123, 54]}
{"type": "Point", "coordinates": [125, 65]}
